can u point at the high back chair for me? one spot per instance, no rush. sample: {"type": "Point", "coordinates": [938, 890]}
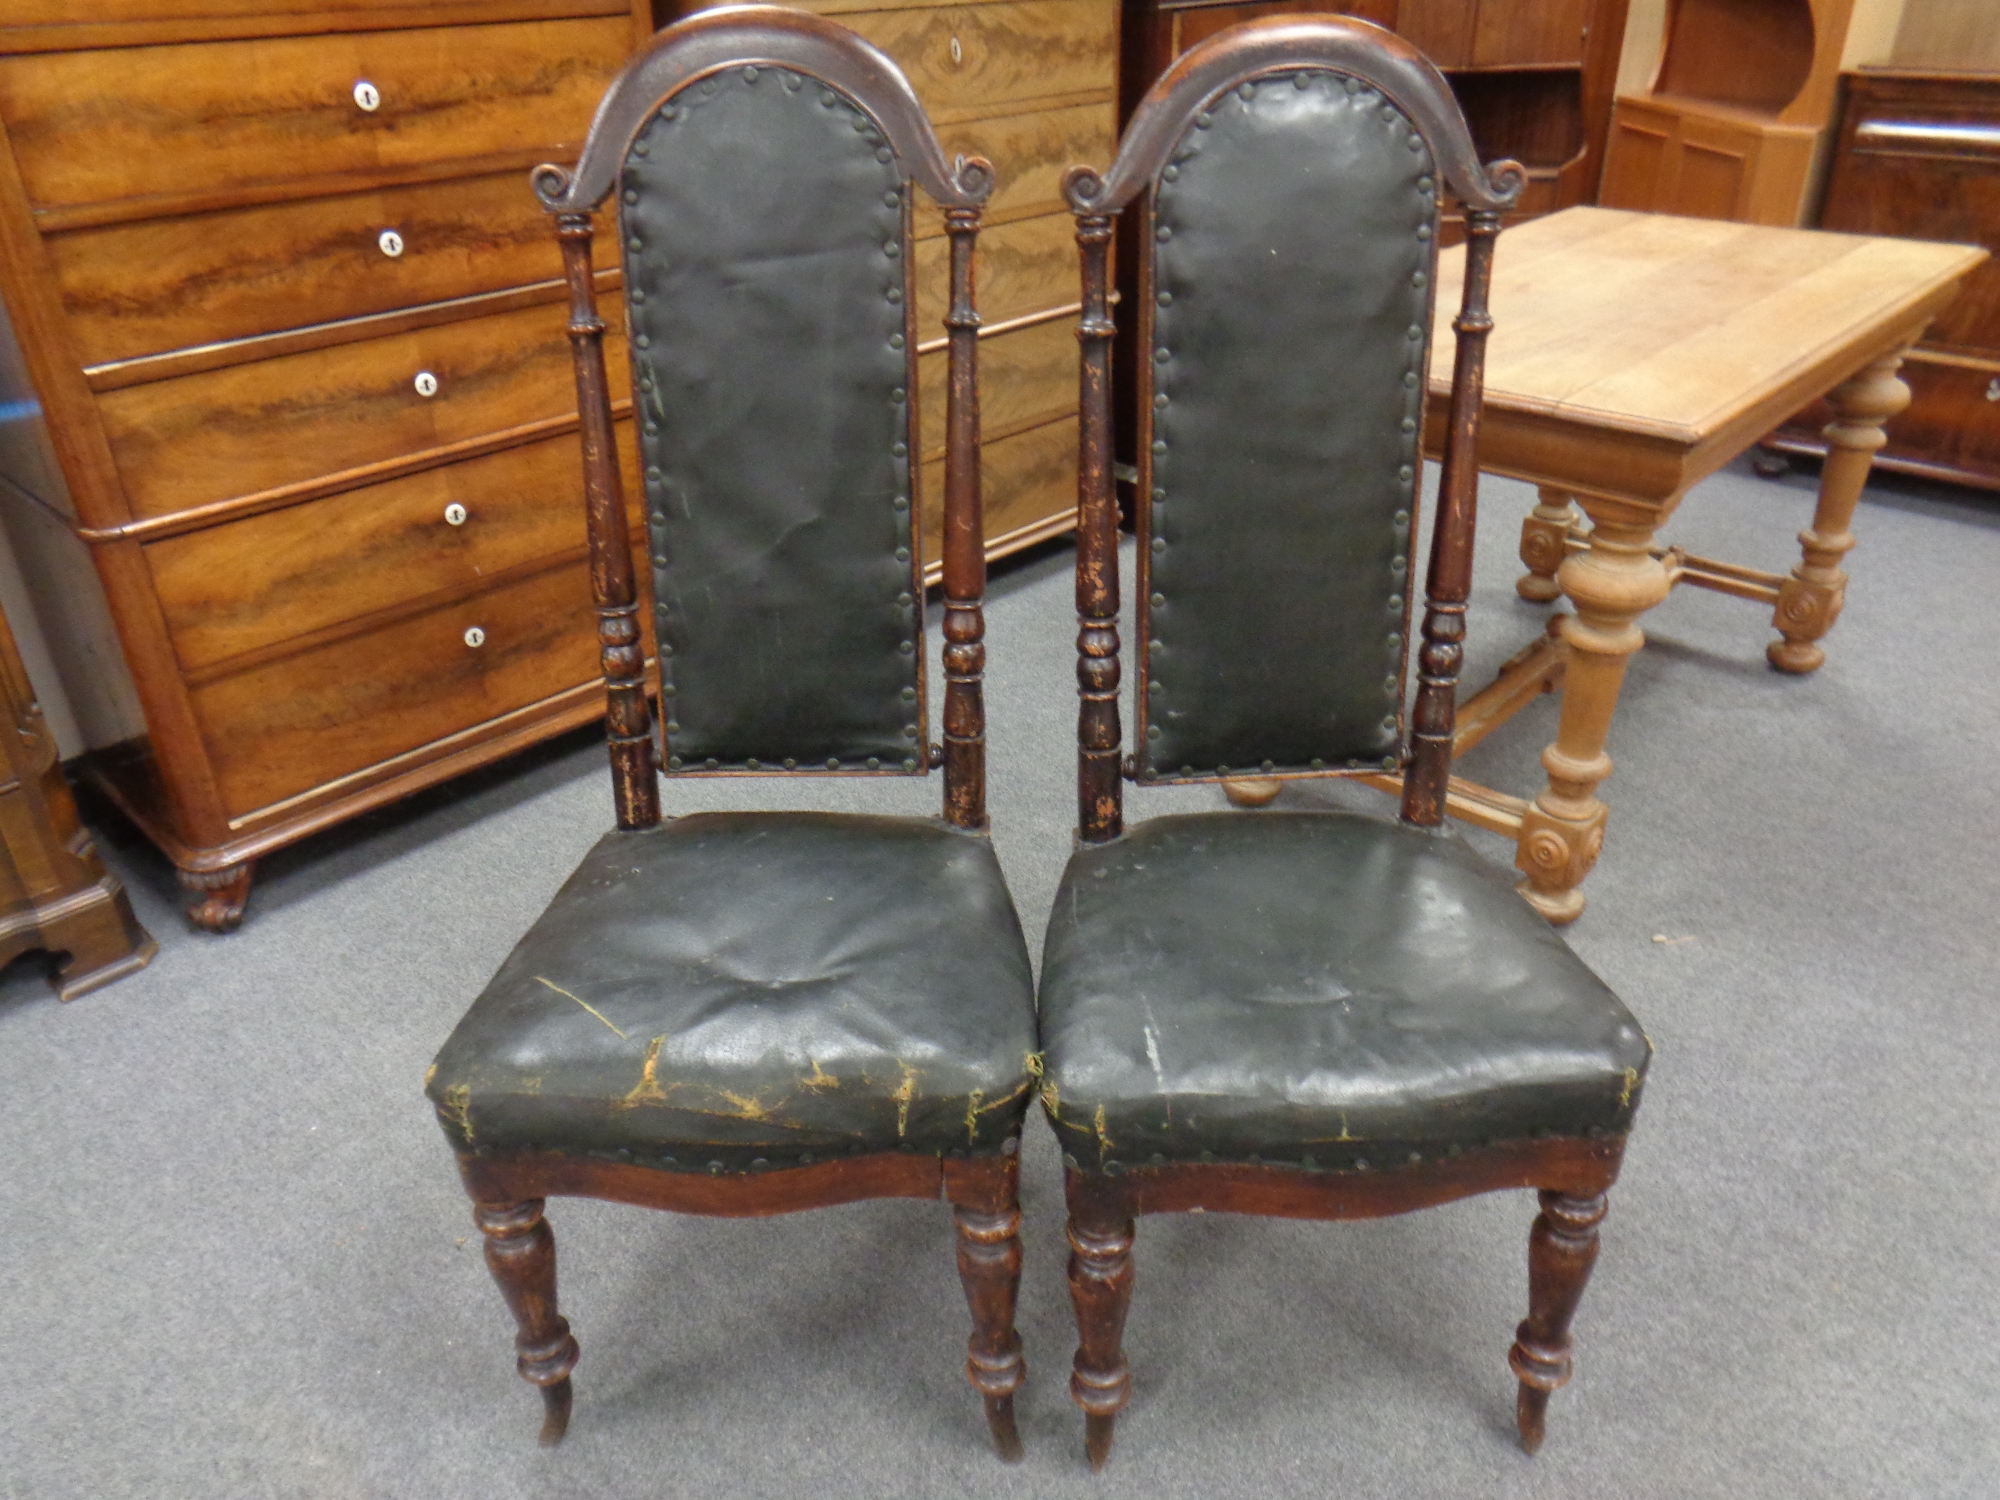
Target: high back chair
{"type": "Point", "coordinates": [1318, 1014]}
{"type": "Point", "coordinates": [751, 1013]}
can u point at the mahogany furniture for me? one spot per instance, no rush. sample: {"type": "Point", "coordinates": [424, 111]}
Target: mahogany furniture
{"type": "Point", "coordinates": [55, 893]}
{"type": "Point", "coordinates": [296, 502]}
{"type": "Point", "coordinates": [1534, 77]}
{"type": "Point", "coordinates": [1732, 124]}
{"type": "Point", "coordinates": [1032, 85]}
{"type": "Point", "coordinates": [1635, 355]}
{"type": "Point", "coordinates": [753, 1013]}
{"type": "Point", "coordinates": [1313, 1015]}
{"type": "Point", "coordinates": [1918, 154]}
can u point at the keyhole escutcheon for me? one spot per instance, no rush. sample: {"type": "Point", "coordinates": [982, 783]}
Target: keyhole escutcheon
{"type": "Point", "coordinates": [957, 52]}
{"type": "Point", "coordinates": [389, 243]}
{"type": "Point", "coordinates": [367, 97]}
{"type": "Point", "coordinates": [475, 637]}
{"type": "Point", "coordinates": [426, 383]}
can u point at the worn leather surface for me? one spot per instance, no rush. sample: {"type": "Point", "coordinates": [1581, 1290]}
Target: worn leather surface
{"type": "Point", "coordinates": [762, 223]}
{"type": "Point", "coordinates": [733, 990]}
{"type": "Point", "coordinates": [1317, 989]}
{"type": "Point", "coordinates": [1293, 244]}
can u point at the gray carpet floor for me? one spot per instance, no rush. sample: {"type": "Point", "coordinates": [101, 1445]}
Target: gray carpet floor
{"type": "Point", "coordinates": [235, 1259]}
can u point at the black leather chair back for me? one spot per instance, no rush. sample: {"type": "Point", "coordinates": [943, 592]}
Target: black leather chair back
{"type": "Point", "coordinates": [762, 169]}
{"type": "Point", "coordinates": [1290, 240]}
{"type": "Point", "coordinates": [1287, 177]}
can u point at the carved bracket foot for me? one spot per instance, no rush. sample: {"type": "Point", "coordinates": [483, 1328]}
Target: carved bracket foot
{"type": "Point", "coordinates": [1544, 544]}
{"type": "Point", "coordinates": [1805, 612]}
{"type": "Point", "coordinates": [220, 896]}
{"type": "Point", "coordinates": [1554, 855]}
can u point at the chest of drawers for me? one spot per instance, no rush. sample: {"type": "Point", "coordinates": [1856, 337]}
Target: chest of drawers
{"type": "Point", "coordinates": [286, 415]}
{"type": "Point", "coordinates": [1032, 85]}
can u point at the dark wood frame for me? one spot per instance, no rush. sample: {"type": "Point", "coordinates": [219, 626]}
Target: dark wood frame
{"type": "Point", "coordinates": [509, 1190]}
{"type": "Point", "coordinates": [1571, 1174]}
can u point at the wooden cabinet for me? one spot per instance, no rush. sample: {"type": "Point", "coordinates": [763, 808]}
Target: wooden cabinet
{"type": "Point", "coordinates": [1732, 124]}
{"type": "Point", "coordinates": [286, 449]}
{"type": "Point", "coordinates": [1918, 155]}
{"type": "Point", "coordinates": [1032, 85]}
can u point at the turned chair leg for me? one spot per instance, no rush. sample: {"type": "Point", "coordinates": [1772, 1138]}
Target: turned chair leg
{"type": "Point", "coordinates": [1100, 1286]}
{"type": "Point", "coordinates": [989, 1264]}
{"type": "Point", "coordinates": [521, 1254]}
{"type": "Point", "coordinates": [1561, 1250]}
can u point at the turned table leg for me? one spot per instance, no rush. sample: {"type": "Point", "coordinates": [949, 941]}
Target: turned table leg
{"type": "Point", "coordinates": [1810, 600]}
{"type": "Point", "coordinates": [1562, 1248]}
{"type": "Point", "coordinates": [1610, 585]}
{"type": "Point", "coordinates": [1545, 543]}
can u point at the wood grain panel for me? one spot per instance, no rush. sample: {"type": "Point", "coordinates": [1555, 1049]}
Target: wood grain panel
{"type": "Point", "coordinates": [1023, 267]}
{"type": "Point", "coordinates": [123, 122]}
{"type": "Point", "coordinates": [144, 288]}
{"type": "Point", "coordinates": [1008, 54]}
{"type": "Point", "coordinates": [1543, 32]}
{"type": "Point", "coordinates": [1025, 377]}
{"type": "Point", "coordinates": [1030, 490]}
{"type": "Point", "coordinates": [1198, 24]}
{"type": "Point", "coordinates": [51, 13]}
{"type": "Point", "coordinates": [299, 722]}
{"type": "Point", "coordinates": [249, 428]}
{"type": "Point", "coordinates": [275, 577]}
{"type": "Point", "coordinates": [1029, 152]}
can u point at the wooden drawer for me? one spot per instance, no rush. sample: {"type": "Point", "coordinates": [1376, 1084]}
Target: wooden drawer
{"type": "Point", "coordinates": [1029, 485]}
{"type": "Point", "coordinates": [269, 579]}
{"type": "Point", "coordinates": [251, 428]}
{"type": "Point", "coordinates": [1025, 377]}
{"type": "Point", "coordinates": [1030, 152]}
{"type": "Point", "coordinates": [125, 122]}
{"type": "Point", "coordinates": [136, 289]}
{"type": "Point", "coordinates": [1022, 268]}
{"type": "Point", "coordinates": [287, 726]}
{"type": "Point", "coordinates": [1005, 54]}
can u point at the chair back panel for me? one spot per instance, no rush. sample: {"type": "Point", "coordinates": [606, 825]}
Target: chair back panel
{"type": "Point", "coordinates": [765, 237]}
{"type": "Point", "coordinates": [1291, 240]}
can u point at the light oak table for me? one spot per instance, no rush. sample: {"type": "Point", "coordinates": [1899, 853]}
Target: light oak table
{"type": "Point", "coordinates": [1632, 356]}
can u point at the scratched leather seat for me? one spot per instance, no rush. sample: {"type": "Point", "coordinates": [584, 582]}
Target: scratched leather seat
{"type": "Point", "coordinates": [1310, 1014]}
{"type": "Point", "coordinates": [752, 1012]}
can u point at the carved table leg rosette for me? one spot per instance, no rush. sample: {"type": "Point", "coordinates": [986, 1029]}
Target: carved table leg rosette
{"type": "Point", "coordinates": [1611, 585]}
{"type": "Point", "coordinates": [1545, 543]}
{"type": "Point", "coordinates": [1810, 600]}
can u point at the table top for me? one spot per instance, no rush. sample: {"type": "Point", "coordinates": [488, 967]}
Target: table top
{"type": "Point", "coordinates": [1619, 332]}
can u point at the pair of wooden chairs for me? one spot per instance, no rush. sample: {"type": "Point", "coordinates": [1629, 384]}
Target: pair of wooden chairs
{"type": "Point", "coordinates": [1315, 1015]}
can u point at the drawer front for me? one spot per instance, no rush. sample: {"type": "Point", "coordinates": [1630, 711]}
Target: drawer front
{"type": "Point", "coordinates": [122, 122]}
{"type": "Point", "coordinates": [287, 726]}
{"type": "Point", "coordinates": [1030, 152]}
{"type": "Point", "coordinates": [273, 578]}
{"type": "Point", "coordinates": [1022, 268]}
{"type": "Point", "coordinates": [249, 428]}
{"type": "Point", "coordinates": [1025, 377]}
{"type": "Point", "coordinates": [966, 60]}
{"type": "Point", "coordinates": [1029, 485]}
{"type": "Point", "coordinates": [136, 289]}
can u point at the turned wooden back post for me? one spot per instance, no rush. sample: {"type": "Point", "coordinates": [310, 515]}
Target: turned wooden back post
{"type": "Point", "coordinates": [1387, 72]}
{"type": "Point", "coordinates": [727, 48]}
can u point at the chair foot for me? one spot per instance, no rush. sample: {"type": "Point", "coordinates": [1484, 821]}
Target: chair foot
{"type": "Point", "coordinates": [1531, 1409]}
{"type": "Point", "coordinates": [1097, 1438]}
{"type": "Point", "coordinates": [986, 1210]}
{"type": "Point", "coordinates": [555, 1412]}
{"type": "Point", "coordinates": [1000, 1422]}
{"type": "Point", "coordinates": [1561, 1250]}
{"type": "Point", "coordinates": [521, 1254]}
{"type": "Point", "coordinates": [1100, 1287]}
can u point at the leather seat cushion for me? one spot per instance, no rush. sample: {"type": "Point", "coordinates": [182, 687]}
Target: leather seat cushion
{"type": "Point", "coordinates": [734, 990]}
{"type": "Point", "coordinates": [1318, 989]}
